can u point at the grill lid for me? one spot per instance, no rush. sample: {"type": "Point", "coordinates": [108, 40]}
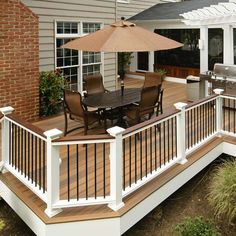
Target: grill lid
{"type": "Point", "coordinates": [224, 70]}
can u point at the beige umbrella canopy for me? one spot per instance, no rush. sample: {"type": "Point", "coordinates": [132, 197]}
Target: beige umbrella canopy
{"type": "Point", "coordinates": [122, 36]}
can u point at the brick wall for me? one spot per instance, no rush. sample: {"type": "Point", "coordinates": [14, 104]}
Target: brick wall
{"type": "Point", "coordinates": [19, 59]}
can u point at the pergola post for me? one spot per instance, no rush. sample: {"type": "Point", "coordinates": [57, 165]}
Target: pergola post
{"type": "Point", "coordinates": [228, 44]}
{"type": "Point", "coordinates": [223, 14]}
{"type": "Point", "coordinates": [151, 54]}
{"type": "Point", "coordinates": [151, 61]}
{"type": "Point", "coordinates": [203, 46]}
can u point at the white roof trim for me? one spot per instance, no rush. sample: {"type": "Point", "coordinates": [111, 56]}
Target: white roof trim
{"type": "Point", "coordinates": [223, 13]}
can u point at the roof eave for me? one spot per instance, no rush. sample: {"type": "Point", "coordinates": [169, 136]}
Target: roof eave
{"type": "Point", "coordinates": [158, 20]}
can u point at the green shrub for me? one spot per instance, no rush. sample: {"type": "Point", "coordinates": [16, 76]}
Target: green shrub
{"type": "Point", "coordinates": [196, 227]}
{"type": "Point", "coordinates": [222, 196]}
{"type": "Point", "coordinates": [51, 92]}
{"type": "Point", "coordinates": [124, 60]}
{"type": "Point", "coordinates": [162, 72]}
{"type": "Point", "coordinates": [2, 225]}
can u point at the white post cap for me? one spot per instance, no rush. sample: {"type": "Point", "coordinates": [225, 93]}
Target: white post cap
{"type": "Point", "coordinates": [180, 105]}
{"type": "Point", "coordinates": [6, 110]}
{"type": "Point", "coordinates": [53, 133]}
{"type": "Point", "coordinates": [218, 91]}
{"type": "Point", "coordinates": [116, 130]}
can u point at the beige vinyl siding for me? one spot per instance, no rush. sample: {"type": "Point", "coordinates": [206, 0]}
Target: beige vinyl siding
{"type": "Point", "coordinates": [109, 70]}
{"type": "Point", "coordinates": [50, 11]}
{"type": "Point", "coordinates": [99, 11]}
{"type": "Point", "coordinates": [134, 7]}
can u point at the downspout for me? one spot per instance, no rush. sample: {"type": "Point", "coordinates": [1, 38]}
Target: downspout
{"type": "Point", "coordinates": [116, 10]}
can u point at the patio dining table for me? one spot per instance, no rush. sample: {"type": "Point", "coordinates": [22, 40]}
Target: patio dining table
{"type": "Point", "coordinates": [114, 99]}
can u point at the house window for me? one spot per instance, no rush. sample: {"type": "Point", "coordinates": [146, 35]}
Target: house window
{"type": "Point", "coordinates": [215, 47]}
{"type": "Point", "coordinates": [75, 64]}
{"type": "Point", "coordinates": [186, 56]}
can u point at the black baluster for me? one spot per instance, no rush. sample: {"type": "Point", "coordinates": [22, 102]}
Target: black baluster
{"type": "Point", "coordinates": [141, 155]}
{"type": "Point", "coordinates": [32, 158]}
{"type": "Point", "coordinates": [44, 166]}
{"type": "Point", "coordinates": [146, 172]}
{"type": "Point", "coordinates": [36, 161]}
{"type": "Point", "coordinates": [168, 139]}
{"type": "Point", "coordinates": [104, 170]}
{"type": "Point", "coordinates": [150, 149]}
{"type": "Point", "coordinates": [77, 170]}
{"type": "Point", "coordinates": [164, 133]}
{"type": "Point", "coordinates": [95, 170]}
{"type": "Point", "coordinates": [124, 164]}
{"type": "Point", "coordinates": [86, 170]}
{"type": "Point", "coordinates": [160, 141]}
{"type": "Point", "coordinates": [68, 173]}
{"type": "Point", "coordinates": [130, 161]}
{"type": "Point", "coordinates": [135, 158]}
{"type": "Point", "coordinates": [40, 163]}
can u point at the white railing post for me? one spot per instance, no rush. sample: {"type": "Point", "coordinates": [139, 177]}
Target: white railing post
{"type": "Point", "coordinates": [53, 172]}
{"type": "Point", "coordinates": [219, 111]}
{"type": "Point", "coordinates": [181, 139]}
{"type": "Point", "coordinates": [116, 168]}
{"type": "Point", "coordinates": [5, 137]}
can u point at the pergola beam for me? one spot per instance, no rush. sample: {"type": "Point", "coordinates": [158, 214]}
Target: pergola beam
{"type": "Point", "coordinates": [215, 14]}
{"type": "Point", "coordinates": [223, 15]}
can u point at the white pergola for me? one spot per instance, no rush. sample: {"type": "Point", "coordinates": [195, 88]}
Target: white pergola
{"type": "Point", "coordinates": [222, 16]}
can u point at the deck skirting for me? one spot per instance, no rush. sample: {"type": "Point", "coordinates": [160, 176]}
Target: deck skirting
{"type": "Point", "coordinates": [116, 225]}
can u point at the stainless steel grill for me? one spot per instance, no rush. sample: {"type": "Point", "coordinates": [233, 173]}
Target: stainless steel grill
{"type": "Point", "coordinates": [225, 71]}
{"type": "Point", "coordinates": [224, 77]}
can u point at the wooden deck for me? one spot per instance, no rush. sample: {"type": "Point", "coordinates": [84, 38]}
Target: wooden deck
{"type": "Point", "coordinates": [173, 93]}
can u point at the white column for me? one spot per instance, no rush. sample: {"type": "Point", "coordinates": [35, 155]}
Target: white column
{"type": "Point", "coordinates": [116, 169]}
{"type": "Point", "coordinates": [5, 137]}
{"type": "Point", "coordinates": [151, 61]}
{"type": "Point", "coordinates": [134, 60]}
{"type": "Point", "coordinates": [181, 147]}
{"type": "Point", "coordinates": [228, 45]}
{"type": "Point", "coordinates": [219, 111]}
{"type": "Point", "coordinates": [53, 172]}
{"type": "Point", "coordinates": [203, 46]}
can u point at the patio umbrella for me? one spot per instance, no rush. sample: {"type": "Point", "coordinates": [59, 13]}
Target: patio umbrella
{"type": "Point", "coordinates": [122, 36]}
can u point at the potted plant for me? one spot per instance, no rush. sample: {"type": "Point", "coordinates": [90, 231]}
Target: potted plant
{"type": "Point", "coordinates": [51, 86]}
{"type": "Point", "coordinates": [162, 72]}
{"type": "Point", "coordinates": [124, 60]}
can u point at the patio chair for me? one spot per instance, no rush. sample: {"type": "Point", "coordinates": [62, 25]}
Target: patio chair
{"type": "Point", "coordinates": [155, 79]}
{"type": "Point", "coordinates": [152, 79]}
{"type": "Point", "coordinates": [147, 105]}
{"type": "Point", "coordinates": [93, 84]}
{"type": "Point", "coordinates": [78, 112]}
{"type": "Point", "coordinates": [159, 109]}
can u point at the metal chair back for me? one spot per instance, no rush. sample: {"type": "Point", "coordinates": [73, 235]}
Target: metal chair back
{"type": "Point", "coordinates": [93, 84]}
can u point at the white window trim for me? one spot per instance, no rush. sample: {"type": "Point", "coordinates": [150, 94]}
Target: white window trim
{"type": "Point", "coordinates": [123, 1]}
{"type": "Point", "coordinates": [79, 34]}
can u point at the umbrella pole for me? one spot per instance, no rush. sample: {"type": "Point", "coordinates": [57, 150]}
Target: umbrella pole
{"type": "Point", "coordinates": [122, 86]}
{"type": "Point", "coordinates": [122, 74]}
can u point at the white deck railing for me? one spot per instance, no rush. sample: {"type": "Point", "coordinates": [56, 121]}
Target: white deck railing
{"type": "Point", "coordinates": [90, 170]}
